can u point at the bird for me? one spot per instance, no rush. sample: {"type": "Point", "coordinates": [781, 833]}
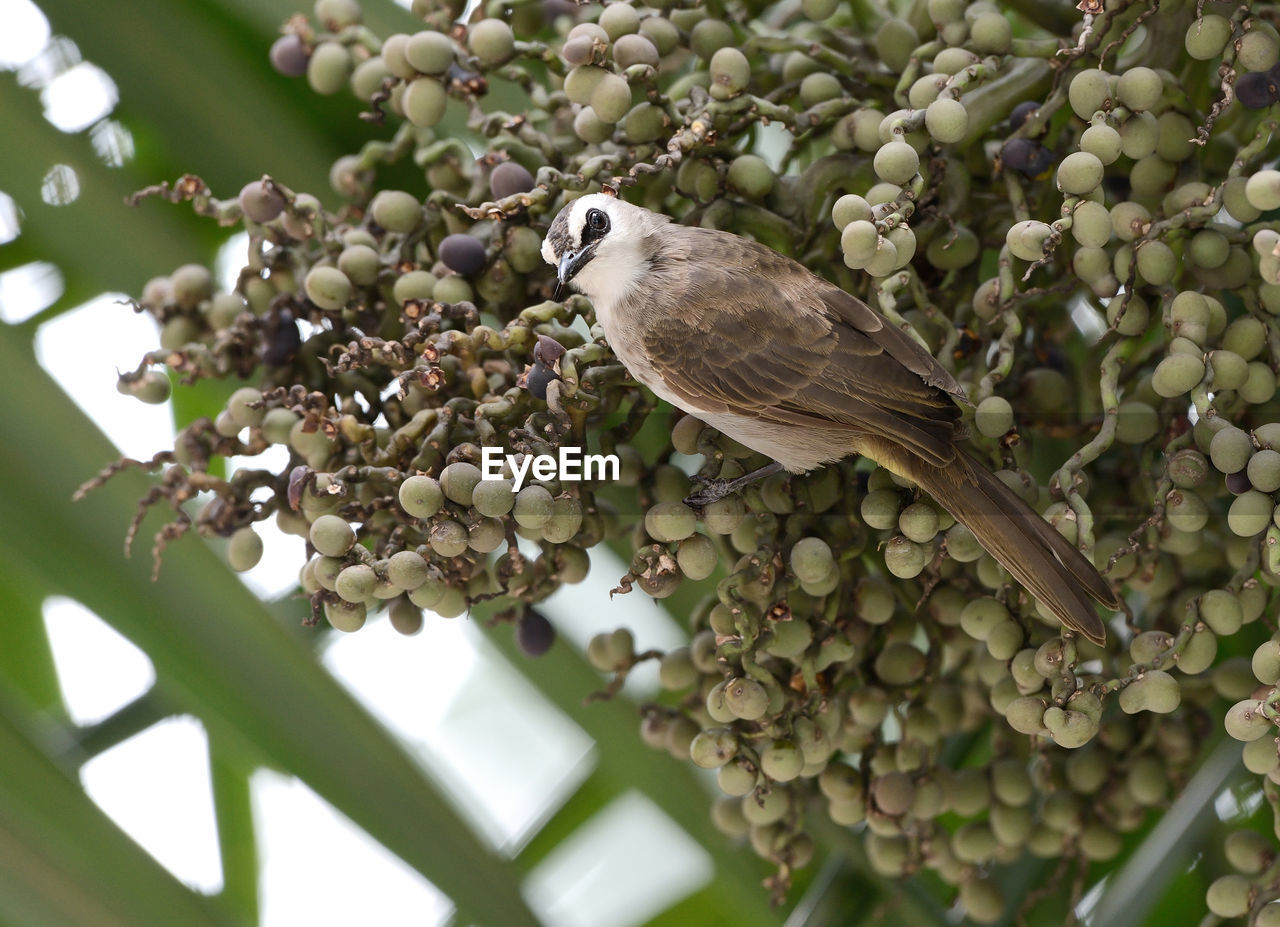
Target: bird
{"type": "Point", "coordinates": [790, 365]}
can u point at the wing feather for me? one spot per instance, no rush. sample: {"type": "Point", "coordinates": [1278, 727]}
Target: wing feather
{"type": "Point", "coordinates": [832, 360]}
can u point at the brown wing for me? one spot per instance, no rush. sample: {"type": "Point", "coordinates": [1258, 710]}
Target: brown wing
{"type": "Point", "coordinates": [790, 347]}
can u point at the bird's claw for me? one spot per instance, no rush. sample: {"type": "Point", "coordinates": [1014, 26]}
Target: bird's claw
{"type": "Point", "coordinates": [711, 490]}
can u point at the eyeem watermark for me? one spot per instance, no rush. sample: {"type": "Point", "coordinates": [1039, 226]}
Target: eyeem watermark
{"type": "Point", "coordinates": [567, 464]}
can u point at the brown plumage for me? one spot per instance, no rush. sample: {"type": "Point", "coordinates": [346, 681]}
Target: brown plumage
{"type": "Point", "coordinates": [755, 345]}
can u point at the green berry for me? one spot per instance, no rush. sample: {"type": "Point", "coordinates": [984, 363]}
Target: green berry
{"type": "Point", "coordinates": [396, 210]}
{"type": "Point", "coordinates": [424, 101]}
{"type": "Point", "coordinates": [1139, 89]}
{"type": "Point", "coordinates": [1154, 691]}
{"type": "Point", "coordinates": [670, 521]}
{"type": "Point", "coordinates": [492, 41]}
{"type": "Point", "coordinates": [244, 550]}
{"type": "Point", "coordinates": [345, 616]}
{"type": "Point", "coordinates": [947, 120]}
{"type": "Point", "coordinates": [458, 481]}
{"type": "Point", "coordinates": [331, 536]}
{"type": "Point", "coordinates": [426, 52]}
{"type": "Point", "coordinates": [356, 583]}
{"type": "Point", "coordinates": [328, 287]}
{"type": "Point", "coordinates": [746, 698]}
{"type": "Point", "coordinates": [421, 496]}
{"type": "Point", "coordinates": [897, 162]}
{"type": "Point", "coordinates": [1079, 173]}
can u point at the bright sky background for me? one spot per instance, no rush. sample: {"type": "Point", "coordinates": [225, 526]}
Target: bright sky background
{"type": "Point", "coordinates": [508, 755]}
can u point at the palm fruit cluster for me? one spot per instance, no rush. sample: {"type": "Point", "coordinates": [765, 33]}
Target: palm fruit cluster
{"type": "Point", "coordinates": [1073, 208]}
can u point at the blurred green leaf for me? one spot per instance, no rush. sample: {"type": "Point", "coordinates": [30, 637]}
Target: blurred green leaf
{"type": "Point", "coordinates": [63, 862]}
{"type": "Point", "coordinates": [216, 649]}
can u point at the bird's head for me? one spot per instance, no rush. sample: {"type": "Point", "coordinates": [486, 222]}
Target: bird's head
{"type": "Point", "coordinates": [601, 244]}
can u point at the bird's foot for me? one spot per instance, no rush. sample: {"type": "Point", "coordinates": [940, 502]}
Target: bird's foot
{"type": "Point", "coordinates": [710, 490]}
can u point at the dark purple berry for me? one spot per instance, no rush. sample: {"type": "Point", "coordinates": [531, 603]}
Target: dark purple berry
{"type": "Point", "coordinates": [547, 351]}
{"type": "Point", "coordinates": [1021, 113]}
{"type": "Point", "coordinates": [1257, 89]}
{"type": "Point", "coordinates": [281, 340]}
{"type": "Point", "coordinates": [534, 633]}
{"type": "Point", "coordinates": [508, 179]}
{"type": "Point", "coordinates": [1027, 157]}
{"type": "Point", "coordinates": [1238, 483]}
{"type": "Point", "coordinates": [289, 56]}
{"type": "Point", "coordinates": [462, 253]}
{"type": "Point", "coordinates": [537, 379]}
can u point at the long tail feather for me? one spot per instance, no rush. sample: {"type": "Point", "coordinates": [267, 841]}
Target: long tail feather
{"type": "Point", "coordinates": [1026, 545]}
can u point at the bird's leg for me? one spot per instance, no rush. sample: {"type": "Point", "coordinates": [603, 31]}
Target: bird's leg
{"type": "Point", "coordinates": [715, 490]}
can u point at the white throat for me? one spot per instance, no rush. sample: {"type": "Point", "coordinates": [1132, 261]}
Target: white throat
{"type": "Point", "coordinates": [610, 278]}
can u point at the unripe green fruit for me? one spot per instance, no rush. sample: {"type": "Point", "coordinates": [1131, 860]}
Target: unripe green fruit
{"type": "Point", "coordinates": [630, 50]}
{"type": "Point", "coordinates": [1154, 691]}
{"type": "Point", "coordinates": [859, 241]}
{"type": "Point", "coordinates": [1139, 89]}
{"type": "Point", "coordinates": [492, 41]}
{"type": "Point", "coordinates": [1079, 173]}
{"type": "Point", "coordinates": [1230, 371]}
{"type": "Point", "coordinates": [331, 536]}
{"type": "Point", "coordinates": [1088, 92]}
{"type": "Point", "coordinates": [427, 52]}
{"type": "Point", "coordinates": [670, 521]}
{"type": "Point", "coordinates": [244, 550]}
{"type": "Point", "coordinates": [1176, 375]}
{"type": "Point", "coordinates": [1136, 423]}
{"type": "Point", "coordinates": [990, 34]}
{"type": "Point", "coordinates": [947, 120]}
{"type": "Point", "coordinates": [345, 616]}
{"type": "Point", "coordinates": [1221, 611]}
{"type": "Point", "coordinates": [582, 81]}
{"type": "Point", "coordinates": [1091, 224]}
{"type": "Point", "coordinates": [1245, 336]}
{"type": "Point", "coordinates": [458, 481]}
{"type": "Point", "coordinates": [850, 208]}
{"type": "Point", "coordinates": [1248, 851]}
{"type": "Point", "coordinates": [899, 664]}
{"type": "Point", "coordinates": [393, 55]}
{"type": "Point", "coordinates": [360, 263]}
{"type": "Point", "coordinates": [1266, 662]}
{"type": "Point", "coordinates": [713, 747]}
{"type": "Point", "coordinates": [993, 417]}
{"type": "Point", "coordinates": [611, 98]}
{"type": "Point", "coordinates": [493, 498]}
{"type": "Point", "coordinates": [953, 251]}
{"type": "Point", "coordinates": [407, 570]}
{"type": "Point", "coordinates": [897, 162]}
{"type": "Point", "coordinates": [1207, 36]}
{"type": "Point", "coordinates": [746, 698]}
{"type": "Point", "coordinates": [751, 176]}
{"type": "Point", "coordinates": [697, 557]}
{"type": "Point", "coordinates": [424, 101]}
{"type": "Point", "coordinates": [1229, 896]}
{"type": "Point", "coordinates": [396, 210]}
{"type": "Point", "coordinates": [591, 128]}
{"type": "Point", "coordinates": [894, 42]}
{"type": "Point", "coordinates": [328, 287]}
{"type": "Point", "coordinates": [819, 87]}
{"type": "Point", "coordinates": [811, 559]}
{"type": "Point", "coordinates": [356, 583]}
{"type": "Point", "coordinates": [1263, 190]}
{"type": "Point", "coordinates": [905, 558]}
{"type": "Point", "coordinates": [953, 60]}
{"type": "Point", "coordinates": [533, 507]}
{"type": "Point", "coordinates": [619, 19]}
{"type": "Point", "coordinates": [611, 651]}
{"type": "Point", "coordinates": [1069, 728]}
{"type": "Point", "coordinates": [661, 32]}
{"type": "Point", "coordinates": [1101, 141]}
{"type": "Point", "coordinates": [421, 496]}
{"type": "Point", "coordinates": [709, 36]}
{"type": "Point", "coordinates": [1245, 720]}
{"type": "Point", "coordinates": [781, 760]}
{"type": "Point", "coordinates": [1026, 239]}
{"type": "Point", "coordinates": [1258, 49]}
{"type": "Point", "coordinates": [1260, 384]}
{"type": "Point", "coordinates": [448, 538]}
{"type": "Point", "coordinates": [1230, 449]}
{"type": "Point", "coordinates": [1156, 262]}
{"type": "Point", "coordinates": [919, 522]}
{"type": "Point", "coordinates": [329, 67]}
{"type": "Point", "coordinates": [1250, 513]}
{"type": "Point", "coordinates": [414, 285]}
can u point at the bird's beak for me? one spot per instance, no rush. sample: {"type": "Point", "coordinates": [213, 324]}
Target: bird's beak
{"type": "Point", "coordinates": [570, 264]}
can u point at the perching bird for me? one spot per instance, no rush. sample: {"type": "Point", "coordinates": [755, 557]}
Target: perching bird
{"type": "Point", "coordinates": [790, 365]}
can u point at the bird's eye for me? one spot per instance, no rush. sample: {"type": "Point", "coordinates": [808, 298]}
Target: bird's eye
{"type": "Point", "coordinates": [597, 221]}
